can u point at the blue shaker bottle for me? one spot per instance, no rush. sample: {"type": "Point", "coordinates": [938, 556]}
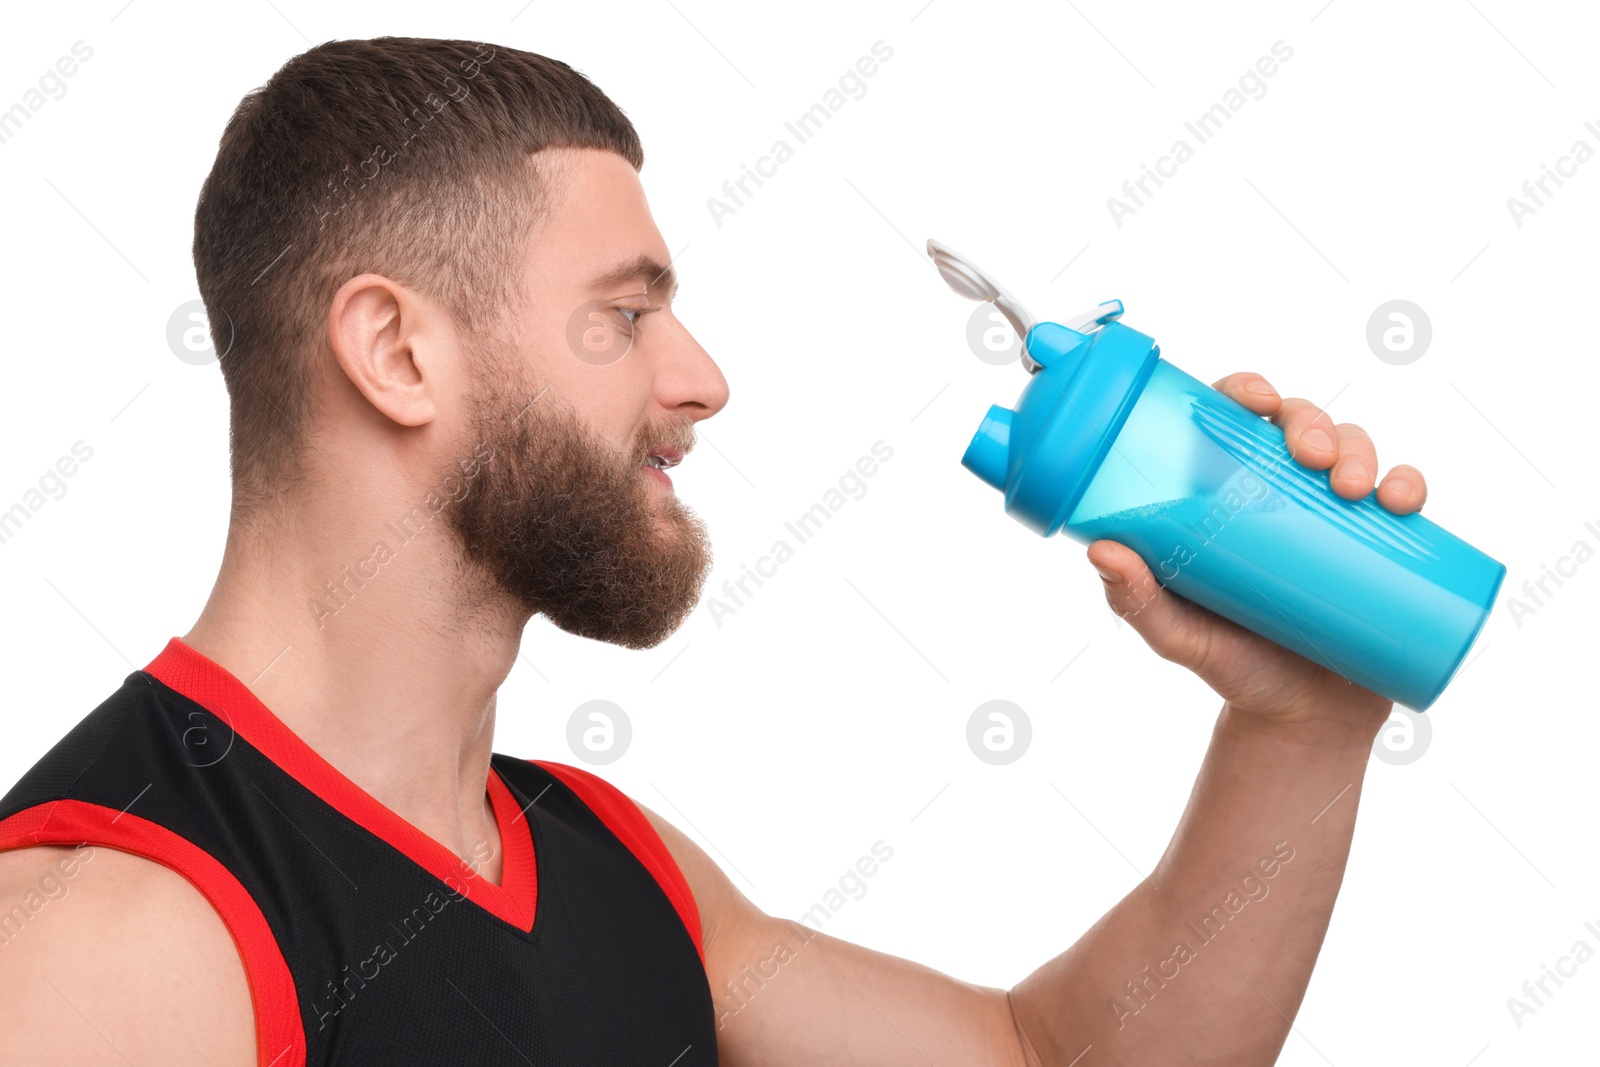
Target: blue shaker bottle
{"type": "Point", "coordinates": [1109, 440]}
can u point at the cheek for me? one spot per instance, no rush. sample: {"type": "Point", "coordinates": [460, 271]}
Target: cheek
{"type": "Point", "coordinates": [618, 407]}
{"type": "Point", "coordinates": [609, 401]}
{"type": "Point", "coordinates": [609, 392]}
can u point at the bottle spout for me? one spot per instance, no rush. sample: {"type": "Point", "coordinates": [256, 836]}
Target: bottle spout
{"type": "Point", "coordinates": [1050, 342]}
{"type": "Point", "coordinates": [990, 449]}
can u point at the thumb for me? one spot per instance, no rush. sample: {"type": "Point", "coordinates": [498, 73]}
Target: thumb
{"type": "Point", "coordinates": [1174, 628]}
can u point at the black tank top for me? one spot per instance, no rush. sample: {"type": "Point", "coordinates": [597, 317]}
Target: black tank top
{"type": "Point", "coordinates": [364, 940]}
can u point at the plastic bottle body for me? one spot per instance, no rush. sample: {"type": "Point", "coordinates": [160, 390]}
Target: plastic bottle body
{"type": "Point", "coordinates": [1207, 493]}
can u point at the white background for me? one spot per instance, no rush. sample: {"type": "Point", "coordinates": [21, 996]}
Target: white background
{"type": "Point", "coordinates": [829, 711]}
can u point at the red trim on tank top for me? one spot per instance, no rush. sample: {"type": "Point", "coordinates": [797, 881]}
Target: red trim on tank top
{"type": "Point", "coordinates": [280, 1033]}
{"type": "Point", "coordinates": [189, 672]}
{"type": "Point", "coordinates": [624, 819]}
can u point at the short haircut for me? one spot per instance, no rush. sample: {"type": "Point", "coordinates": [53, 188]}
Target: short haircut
{"type": "Point", "coordinates": [410, 157]}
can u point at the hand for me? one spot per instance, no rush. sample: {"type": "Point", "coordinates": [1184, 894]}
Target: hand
{"type": "Point", "coordinates": [1255, 676]}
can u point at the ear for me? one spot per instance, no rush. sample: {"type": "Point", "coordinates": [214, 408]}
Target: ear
{"type": "Point", "coordinates": [385, 338]}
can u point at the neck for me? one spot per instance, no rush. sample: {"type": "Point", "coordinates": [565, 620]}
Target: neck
{"type": "Point", "coordinates": [388, 681]}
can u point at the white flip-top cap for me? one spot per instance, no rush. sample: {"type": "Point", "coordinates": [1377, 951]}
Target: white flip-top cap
{"type": "Point", "coordinates": [974, 283]}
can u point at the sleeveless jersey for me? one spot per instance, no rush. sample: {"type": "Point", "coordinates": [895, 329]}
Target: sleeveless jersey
{"type": "Point", "coordinates": [365, 941]}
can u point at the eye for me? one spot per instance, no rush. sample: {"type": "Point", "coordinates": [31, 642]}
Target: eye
{"type": "Point", "coordinates": [632, 314]}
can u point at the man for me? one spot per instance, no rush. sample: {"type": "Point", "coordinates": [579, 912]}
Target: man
{"type": "Point", "coordinates": [445, 322]}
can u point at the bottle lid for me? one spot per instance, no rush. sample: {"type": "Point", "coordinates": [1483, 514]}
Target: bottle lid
{"type": "Point", "coordinates": [1086, 376]}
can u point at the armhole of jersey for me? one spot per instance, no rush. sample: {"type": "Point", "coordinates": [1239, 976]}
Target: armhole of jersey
{"type": "Point", "coordinates": [623, 818]}
{"type": "Point", "coordinates": [280, 1033]}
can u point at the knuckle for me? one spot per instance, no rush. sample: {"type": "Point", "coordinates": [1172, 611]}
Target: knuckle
{"type": "Point", "coordinates": [1302, 410]}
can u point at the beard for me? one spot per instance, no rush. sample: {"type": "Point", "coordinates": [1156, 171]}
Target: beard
{"type": "Point", "coordinates": [566, 526]}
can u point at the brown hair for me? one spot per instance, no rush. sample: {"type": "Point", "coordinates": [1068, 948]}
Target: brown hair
{"type": "Point", "coordinates": [409, 157]}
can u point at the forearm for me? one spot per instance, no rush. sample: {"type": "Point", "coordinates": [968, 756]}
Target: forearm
{"type": "Point", "coordinates": [1207, 960]}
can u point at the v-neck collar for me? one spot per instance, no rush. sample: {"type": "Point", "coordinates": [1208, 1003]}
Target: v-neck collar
{"type": "Point", "coordinates": [185, 670]}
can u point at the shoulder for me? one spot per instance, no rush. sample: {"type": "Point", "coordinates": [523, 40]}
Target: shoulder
{"type": "Point", "coordinates": [723, 908]}
{"type": "Point", "coordinates": [108, 957]}
{"type": "Point", "coordinates": [706, 899]}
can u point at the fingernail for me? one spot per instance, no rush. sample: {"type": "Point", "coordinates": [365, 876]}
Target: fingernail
{"type": "Point", "coordinates": [1400, 485]}
{"type": "Point", "coordinates": [1260, 388]}
{"type": "Point", "coordinates": [1108, 574]}
{"type": "Point", "coordinates": [1318, 439]}
{"type": "Point", "coordinates": [1351, 468]}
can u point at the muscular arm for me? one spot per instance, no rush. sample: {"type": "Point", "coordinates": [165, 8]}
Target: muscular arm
{"type": "Point", "coordinates": [806, 998]}
{"type": "Point", "coordinates": [1255, 865]}
{"type": "Point", "coordinates": [123, 961]}
{"type": "Point", "coordinates": [1207, 959]}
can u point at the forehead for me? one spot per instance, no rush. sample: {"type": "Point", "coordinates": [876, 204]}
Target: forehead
{"type": "Point", "coordinates": [597, 218]}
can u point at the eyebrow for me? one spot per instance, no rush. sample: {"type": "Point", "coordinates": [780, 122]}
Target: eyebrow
{"type": "Point", "coordinates": [644, 266]}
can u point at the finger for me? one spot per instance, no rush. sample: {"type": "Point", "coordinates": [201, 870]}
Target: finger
{"type": "Point", "coordinates": [1356, 469]}
{"type": "Point", "coordinates": [1308, 432]}
{"type": "Point", "coordinates": [1403, 489]}
{"type": "Point", "coordinates": [1170, 625]}
{"type": "Point", "coordinates": [1251, 390]}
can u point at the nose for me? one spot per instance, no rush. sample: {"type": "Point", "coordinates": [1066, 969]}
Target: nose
{"type": "Point", "coordinates": [688, 380]}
